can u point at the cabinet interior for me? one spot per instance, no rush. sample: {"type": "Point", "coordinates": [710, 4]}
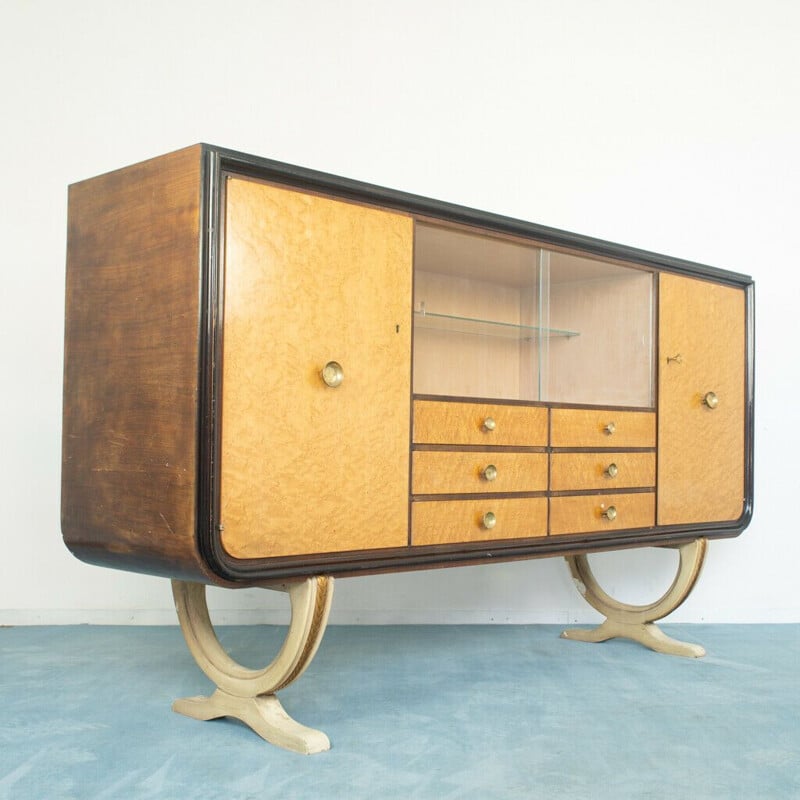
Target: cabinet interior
{"type": "Point", "coordinates": [498, 318]}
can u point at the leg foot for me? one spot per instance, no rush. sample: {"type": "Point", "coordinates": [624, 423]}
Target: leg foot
{"type": "Point", "coordinates": [647, 633]}
{"type": "Point", "coordinates": [264, 714]}
{"type": "Point", "coordinates": [637, 622]}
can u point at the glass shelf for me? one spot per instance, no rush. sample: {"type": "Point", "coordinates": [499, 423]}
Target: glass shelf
{"type": "Point", "coordinates": [485, 327]}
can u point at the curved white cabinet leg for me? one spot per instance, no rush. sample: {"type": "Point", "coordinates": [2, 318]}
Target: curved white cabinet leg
{"type": "Point", "coordinates": [637, 622]}
{"type": "Point", "coordinates": [248, 694]}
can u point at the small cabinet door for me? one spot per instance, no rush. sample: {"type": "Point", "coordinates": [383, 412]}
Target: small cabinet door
{"type": "Point", "coordinates": [307, 467]}
{"type": "Point", "coordinates": [701, 401]}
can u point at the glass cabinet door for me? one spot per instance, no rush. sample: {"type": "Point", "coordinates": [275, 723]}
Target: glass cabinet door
{"type": "Point", "coordinates": [500, 318]}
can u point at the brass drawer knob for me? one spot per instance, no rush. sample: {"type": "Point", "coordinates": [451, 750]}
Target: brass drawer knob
{"type": "Point", "coordinates": [610, 428]}
{"type": "Point", "coordinates": [489, 520]}
{"type": "Point", "coordinates": [711, 400]}
{"type": "Point", "coordinates": [333, 374]}
{"type": "Point", "coordinates": [612, 470]}
{"type": "Point", "coordinates": [490, 473]}
{"type": "Point", "coordinates": [610, 513]}
{"type": "Point", "coordinates": [489, 424]}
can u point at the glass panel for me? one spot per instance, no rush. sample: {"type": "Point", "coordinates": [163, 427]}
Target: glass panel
{"type": "Point", "coordinates": [494, 318]}
{"type": "Point", "coordinates": [611, 362]}
{"type": "Point", "coordinates": [477, 314]}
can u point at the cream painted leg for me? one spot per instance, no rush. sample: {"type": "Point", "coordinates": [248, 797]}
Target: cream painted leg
{"type": "Point", "coordinates": [247, 694]}
{"type": "Point", "coordinates": [637, 622]}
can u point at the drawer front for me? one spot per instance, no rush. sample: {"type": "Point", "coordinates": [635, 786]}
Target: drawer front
{"type": "Point", "coordinates": [585, 513]}
{"type": "Point", "coordinates": [602, 470]}
{"type": "Point", "coordinates": [443, 422]}
{"type": "Point", "coordinates": [449, 521]}
{"type": "Point", "coordinates": [437, 472]}
{"type": "Point", "coordinates": [581, 427]}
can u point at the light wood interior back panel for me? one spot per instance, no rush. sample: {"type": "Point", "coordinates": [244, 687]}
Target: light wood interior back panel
{"type": "Point", "coordinates": [700, 450]}
{"type": "Point", "coordinates": [306, 468]}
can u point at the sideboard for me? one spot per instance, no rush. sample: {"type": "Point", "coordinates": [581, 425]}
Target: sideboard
{"type": "Point", "coordinates": [275, 377]}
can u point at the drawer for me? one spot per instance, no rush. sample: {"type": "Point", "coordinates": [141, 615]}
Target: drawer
{"type": "Point", "coordinates": [600, 427]}
{"type": "Point", "coordinates": [438, 472]}
{"type": "Point", "coordinates": [585, 513]}
{"type": "Point", "coordinates": [444, 422]}
{"type": "Point", "coordinates": [448, 521]}
{"type": "Point", "coordinates": [601, 470]}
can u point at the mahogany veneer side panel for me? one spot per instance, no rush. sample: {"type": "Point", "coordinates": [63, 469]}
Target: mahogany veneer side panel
{"type": "Point", "coordinates": [131, 367]}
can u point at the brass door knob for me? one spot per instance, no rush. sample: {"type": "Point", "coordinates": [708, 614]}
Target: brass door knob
{"type": "Point", "coordinates": [610, 513]}
{"type": "Point", "coordinates": [612, 470]}
{"type": "Point", "coordinates": [490, 473]}
{"type": "Point", "coordinates": [489, 424]}
{"type": "Point", "coordinates": [333, 374]}
{"type": "Point", "coordinates": [489, 520]}
{"type": "Point", "coordinates": [610, 428]}
{"type": "Point", "coordinates": [711, 400]}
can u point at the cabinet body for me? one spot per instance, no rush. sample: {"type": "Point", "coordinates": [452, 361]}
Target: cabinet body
{"type": "Point", "coordinates": [272, 372]}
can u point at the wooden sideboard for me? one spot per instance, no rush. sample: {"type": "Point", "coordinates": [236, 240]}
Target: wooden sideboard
{"type": "Point", "coordinates": [274, 377]}
{"type": "Point", "coordinates": [504, 390]}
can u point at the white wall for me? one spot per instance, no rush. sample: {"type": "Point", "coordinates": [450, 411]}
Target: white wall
{"type": "Point", "coordinates": [668, 126]}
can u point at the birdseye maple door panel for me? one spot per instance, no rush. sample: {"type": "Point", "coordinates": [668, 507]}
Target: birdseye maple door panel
{"type": "Point", "coordinates": [701, 406]}
{"type": "Point", "coordinates": [307, 467]}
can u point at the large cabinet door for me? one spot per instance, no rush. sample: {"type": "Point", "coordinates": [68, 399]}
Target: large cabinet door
{"type": "Point", "coordinates": [306, 467]}
{"type": "Point", "coordinates": [700, 435]}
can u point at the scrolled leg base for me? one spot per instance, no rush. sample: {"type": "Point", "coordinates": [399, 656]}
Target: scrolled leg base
{"type": "Point", "coordinates": [638, 622]}
{"type": "Point", "coordinates": [246, 694]}
{"type": "Point", "coordinates": [264, 714]}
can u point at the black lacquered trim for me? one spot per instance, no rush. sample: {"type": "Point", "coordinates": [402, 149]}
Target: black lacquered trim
{"type": "Point", "coordinates": [217, 162]}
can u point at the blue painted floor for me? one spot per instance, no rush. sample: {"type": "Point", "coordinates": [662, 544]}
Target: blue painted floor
{"type": "Point", "coordinates": [412, 712]}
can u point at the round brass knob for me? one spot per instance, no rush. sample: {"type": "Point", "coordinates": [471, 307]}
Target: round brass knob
{"type": "Point", "coordinates": [333, 374]}
{"type": "Point", "coordinates": [612, 470]}
{"type": "Point", "coordinates": [610, 513]}
{"type": "Point", "coordinates": [489, 424]}
{"type": "Point", "coordinates": [610, 428]}
{"type": "Point", "coordinates": [711, 400]}
{"type": "Point", "coordinates": [489, 520]}
{"type": "Point", "coordinates": [490, 473]}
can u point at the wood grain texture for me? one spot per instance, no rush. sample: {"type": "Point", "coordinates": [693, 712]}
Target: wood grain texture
{"type": "Point", "coordinates": [584, 513]}
{"type": "Point", "coordinates": [445, 422]}
{"type": "Point", "coordinates": [582, 427]}
{"type": "Point", "coordinates": [701, 451]}
{"type": "Point", "coordinates": [131, 368]}
{"type": "Point", "coordinates": [306, 468]}
{"type": "Point", "coordinates": [575, 471]}
{"type": "Point", "coordinates": [441, 472]}
{"type": "Point", "coordinates": [445, 521]}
